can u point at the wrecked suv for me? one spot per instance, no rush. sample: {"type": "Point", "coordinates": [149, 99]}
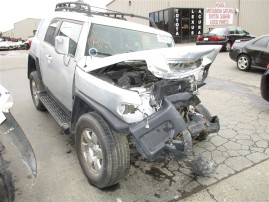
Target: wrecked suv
{"type": "Point", "coordinates": [115, 84]}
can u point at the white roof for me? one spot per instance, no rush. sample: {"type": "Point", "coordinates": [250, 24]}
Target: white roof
{"type": "Point", "coordinates": [109, 21]}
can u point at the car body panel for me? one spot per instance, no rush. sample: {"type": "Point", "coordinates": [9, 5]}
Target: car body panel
{"type": "Point", "coordinates": [158, 65]}
{"type": "Point", "coordinates": [259, 55]}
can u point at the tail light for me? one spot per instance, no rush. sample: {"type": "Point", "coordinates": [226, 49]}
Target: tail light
{"type": "Point", "coordinates": [199, 38]}
{"type": "Point", "coordinates": [268, 66]}
{"type": "Point", "coordinates": [216, 38]}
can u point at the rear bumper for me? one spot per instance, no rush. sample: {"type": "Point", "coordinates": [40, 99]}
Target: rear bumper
{"type": "Point", "coordinates": [233, 53]}
{"type": "Point", "coordinates": [222, 43]}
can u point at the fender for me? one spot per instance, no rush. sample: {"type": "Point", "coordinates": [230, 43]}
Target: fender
{"type": "Point", "coordinates": [33, 65]}
{"type": "Point", "coordinates": [84, 104]}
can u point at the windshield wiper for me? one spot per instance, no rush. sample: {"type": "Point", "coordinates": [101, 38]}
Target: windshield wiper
{"type": "Point", "coordinates": [106, 54]}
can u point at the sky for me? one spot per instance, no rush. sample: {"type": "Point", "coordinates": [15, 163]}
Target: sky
{"type": "Point", "coordinates": [12, 11]}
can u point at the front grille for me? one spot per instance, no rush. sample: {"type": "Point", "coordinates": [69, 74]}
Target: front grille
{"type": "Point", "coordinates": [170, 87]}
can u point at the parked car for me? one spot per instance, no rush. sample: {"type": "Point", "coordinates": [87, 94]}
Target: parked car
{"type": "Point", "coordinates": [253, 53]}
{"type": "Point", "coordinates": [10, 45]}
{"type": "Point", "coordinates": [223, 36]}
{"type": "Point", "coordinates": [265, 84]}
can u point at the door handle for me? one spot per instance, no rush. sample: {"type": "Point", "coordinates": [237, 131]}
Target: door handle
{"type": "Point", "coordinates": [49, 58]}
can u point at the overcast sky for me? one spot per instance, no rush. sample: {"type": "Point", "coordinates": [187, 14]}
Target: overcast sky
{"type": "Point", "coordinates": [12, 11]}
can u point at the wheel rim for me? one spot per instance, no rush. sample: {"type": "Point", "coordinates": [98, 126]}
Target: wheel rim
{"type": "Point", "coordinates": [228, 46]}
{"type": "Point", "coordinates": [243, 62]}
{"type": "Point", "coordinates": [34, 92]}
{"type": "Point", "coordinates": [91, 150]}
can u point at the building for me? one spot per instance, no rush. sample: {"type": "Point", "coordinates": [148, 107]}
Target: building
{"type": "Point", "coordinates": [185, 19]}
{"type": "Point", "coordinates": [23, 29]}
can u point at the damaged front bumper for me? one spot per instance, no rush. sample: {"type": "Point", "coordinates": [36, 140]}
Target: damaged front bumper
{"type": "Point", "coordinates": [167, 131]}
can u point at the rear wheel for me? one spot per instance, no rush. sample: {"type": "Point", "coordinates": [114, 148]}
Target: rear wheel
{"type": "Point", "coordinates": [228, 46]}
{"type": "Point", "coordinates": [36, 86]}
{"type": "Point", "coordinates": [103, 154]}
{"type": "Point", "coordinates": [243, 62]}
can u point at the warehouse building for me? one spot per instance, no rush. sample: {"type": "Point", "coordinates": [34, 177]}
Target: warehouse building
{"type": "Point", "coordinates": [185, 19]}
{"type": "Point", "coordinates": [23, 29]}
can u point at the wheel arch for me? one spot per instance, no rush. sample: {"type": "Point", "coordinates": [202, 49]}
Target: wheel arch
{"type": "Point", "coordinates": [242, 53]}
{"type": "Point", "coordinates": [84, 104]}
{"type": "Point", "coordinates": [33, 65]}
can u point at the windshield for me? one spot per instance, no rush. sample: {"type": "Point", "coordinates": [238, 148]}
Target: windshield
{"type": "Point", "coordinates": [105, 41]}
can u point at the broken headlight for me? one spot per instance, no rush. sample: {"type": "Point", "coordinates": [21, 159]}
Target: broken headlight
{"type": "Point", "coordinates": [133, 113]}
{"type": "Point", "coordinates": [184, 65]}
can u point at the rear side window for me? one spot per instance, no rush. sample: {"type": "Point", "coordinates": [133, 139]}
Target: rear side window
{"type": "Point", "coordinates": [72, 31]}
{"type": "Point", "coordinates": [50, 35]}
{"type": "Point", "coordinates": [232, 31]}
{"type": "Point", "coordinates": [263, 42]}
{"type": "Point", "coordinates": [241, 31]}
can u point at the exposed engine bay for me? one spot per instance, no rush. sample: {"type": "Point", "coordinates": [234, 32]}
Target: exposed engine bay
{"type": "Point", "coordinates": [135, 76]}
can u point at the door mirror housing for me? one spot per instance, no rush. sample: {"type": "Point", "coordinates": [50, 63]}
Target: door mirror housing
{"type": "Point", "coordinates": [62, 45]}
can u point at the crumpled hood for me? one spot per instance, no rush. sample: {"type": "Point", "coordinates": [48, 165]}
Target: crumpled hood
{"type": "Point", "coordinates": [158, 60]}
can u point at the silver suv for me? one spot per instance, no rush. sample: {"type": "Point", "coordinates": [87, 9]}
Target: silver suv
{"type": "Point", "coordinates": [115, 85]}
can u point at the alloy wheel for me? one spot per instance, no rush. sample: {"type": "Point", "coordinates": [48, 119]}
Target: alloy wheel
{"type": "Point", "coordinates": [92, 152]}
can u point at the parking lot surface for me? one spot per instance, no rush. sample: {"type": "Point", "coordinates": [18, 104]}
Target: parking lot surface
{"type": "Point", "coordinates": [241, 143]}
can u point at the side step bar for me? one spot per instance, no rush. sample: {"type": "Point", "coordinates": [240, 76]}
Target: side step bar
{"type": "Point", "coordinates": [55, 110]}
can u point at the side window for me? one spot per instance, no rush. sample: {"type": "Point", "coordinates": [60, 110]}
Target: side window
{"type": "Point", "coordinates": [50, 35]}
{"type": "Point", "coordinates": [232, 31]}
{"type": "Point", "coordinates": [263, 42]}
{"type": "Point", "coordinates": [241, 31]}
{"type": "Point", "coordinates": [72, 31]}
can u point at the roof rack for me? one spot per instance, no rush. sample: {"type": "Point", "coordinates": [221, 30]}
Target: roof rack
{"type": "Point", "coordinates": [81, 7]}
{"type": "Point", "coordinates": [74, 7]}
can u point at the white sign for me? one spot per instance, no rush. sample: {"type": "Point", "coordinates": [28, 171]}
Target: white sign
{"type": "Point", "coordinates": [220, 15]}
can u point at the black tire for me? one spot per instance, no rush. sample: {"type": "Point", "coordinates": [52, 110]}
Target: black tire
{"type": "Point", "coordinates": [6, 184]}
{"type": "Point", "coordinates": [103, 154]}
{"type": "Point", "coordinates": [36, 86]}
{"type": "Point", "coordinates": [202, 110]}
{"type": "Point", "coordinates": [243, 62]}
{"type": "Point", "coordinates": [228, 46]}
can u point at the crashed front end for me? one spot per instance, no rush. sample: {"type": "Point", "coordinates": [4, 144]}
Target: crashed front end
{"type": "Point", "coordinates": [154, 92]}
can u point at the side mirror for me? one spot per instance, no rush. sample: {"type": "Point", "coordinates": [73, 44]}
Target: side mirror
{"type": "Point", "coordinates": [62, 45]}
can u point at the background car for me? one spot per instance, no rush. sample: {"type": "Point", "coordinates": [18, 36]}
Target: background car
{"type": "Point", "coordinates": [265, 84]}
{"type": "Point", "coordinates": [223, 36]}
{"type": "Point", "coordinates": [253, 53]}
{"type": "Point", "coordinates": [27, 43]}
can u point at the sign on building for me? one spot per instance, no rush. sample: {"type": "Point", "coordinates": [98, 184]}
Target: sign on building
{"type": "Point", "coordinates": [220, 15]}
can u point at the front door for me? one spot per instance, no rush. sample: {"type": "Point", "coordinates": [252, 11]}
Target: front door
{"type": "Point", "coordinates": [58, 70]}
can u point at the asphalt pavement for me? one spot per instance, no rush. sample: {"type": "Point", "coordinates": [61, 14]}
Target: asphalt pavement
{"type": "Point", "coordinates": [239, 150]}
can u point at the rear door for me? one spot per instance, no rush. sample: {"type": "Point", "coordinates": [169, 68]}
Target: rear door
{"type": "Point", "coordinates": [59, 69]}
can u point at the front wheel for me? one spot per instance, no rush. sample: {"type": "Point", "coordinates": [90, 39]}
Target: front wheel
{"type": "Point", "coordinates": [243, 62]}
{"type": "Point", "coordinates": [103, 154]}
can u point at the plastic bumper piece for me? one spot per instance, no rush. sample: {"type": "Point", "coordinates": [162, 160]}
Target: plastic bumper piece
{"type": "Point", "coordinates": [164, 125]}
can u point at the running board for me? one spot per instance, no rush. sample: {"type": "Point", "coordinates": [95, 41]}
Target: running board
{"type": "Point", "coordinates": [55, 110]}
